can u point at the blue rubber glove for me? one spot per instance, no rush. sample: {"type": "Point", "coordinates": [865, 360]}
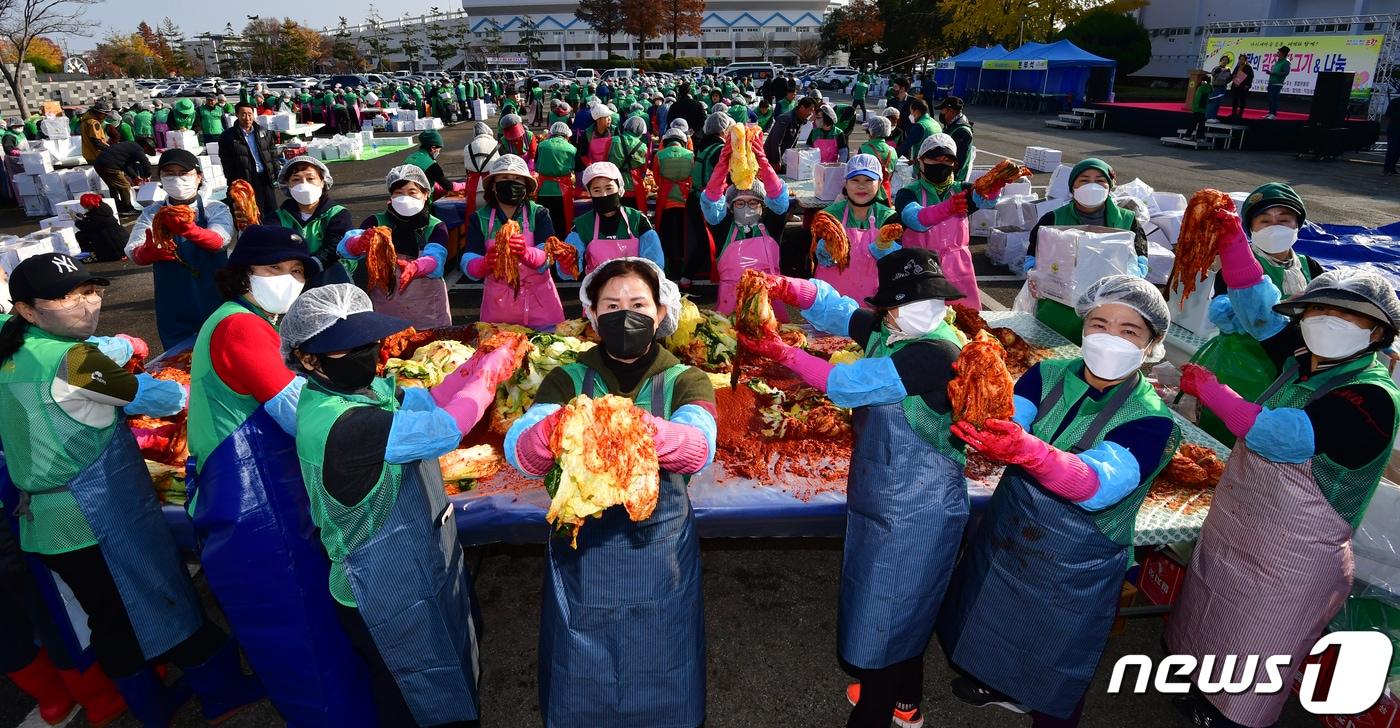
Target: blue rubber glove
{"type": "Point", "coordinates": [157, 397]}
{"type": "Point", "coordinates": [118, 350]}
{"type": "Point", "coordinates": [824, 258]}
{"type": "Point", "coordinates": [877, 252]}
{"type": "Point", "coordinates": [1143, 266]}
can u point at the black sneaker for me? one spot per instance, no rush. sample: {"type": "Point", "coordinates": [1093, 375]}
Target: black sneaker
{"type": "Point", "coordinates": [980, 696]}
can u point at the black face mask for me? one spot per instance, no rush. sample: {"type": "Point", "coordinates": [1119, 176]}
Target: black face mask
{"type": "Point", "coordinates": [938, 173]}
{"type": "Point", "coordinates": [511, 193]}
{"type": "Point", "coordinates": [353, 371]}
{"type": "Point", "coordinates": [607, 203]}
{"type": "Point", "coordinates": [626, 334]}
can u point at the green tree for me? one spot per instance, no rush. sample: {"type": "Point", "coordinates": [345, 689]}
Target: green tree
{"type": "Point", "coordinates": [604, 16]}
{"type": "Point", "coordinates": [1112, 35]}
{"type": "Point", "coordinates": [173, 41]}
{"type": "Point", "coordinates": [531, 39]}
{"type": "Point", "coordinates": [442, 44]}
{"type": "Point", "coordinates": [681, 18]}
{"type": "Point", "coordinates": [374, 40]}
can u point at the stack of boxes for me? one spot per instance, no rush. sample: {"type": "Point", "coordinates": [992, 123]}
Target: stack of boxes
{"type": "Point", "coordinates": [1042, 159]}
{"type": "Point", "coordinates": [41, 187]}
{"type": "Point", "coordinates": [1017, 211]}
{"type": "Point", "coordinates": [347, 146]}
{"type": "Point", "coordinates": [281, 121]}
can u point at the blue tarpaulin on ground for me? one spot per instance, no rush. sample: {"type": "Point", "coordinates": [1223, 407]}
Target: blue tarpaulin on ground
{"type": "Point", "coordinates": [1351, 245]}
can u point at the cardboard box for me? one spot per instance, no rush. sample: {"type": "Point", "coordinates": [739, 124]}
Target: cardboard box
{"type": "Point", "coordinates": [981, 222]}
{"type": "Point", "coordinates": [1008, 247]}
{"type": "Point", "coordinates": [799, 162]}
{"type": "Point", "coordinates": [1042, 159]}
{"type": "Point", "coordinates": [1193, 313]}
{"type": "Point", "coordinates": [27, 185]}
{"type": "Point", "coordinates": [830, 180]}
{"type": "Point", "coordinates": [1071, 259]}
{"type": "Point", "coordinates": [36, 162]}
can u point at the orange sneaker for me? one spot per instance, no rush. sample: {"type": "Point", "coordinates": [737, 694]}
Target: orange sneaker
{"type": "Point", "coordinates": [902, 718]}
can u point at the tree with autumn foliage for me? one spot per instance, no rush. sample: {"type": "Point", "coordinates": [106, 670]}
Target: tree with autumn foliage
{"type": "Point", "coordinates": [44, 55]}
{"type": "Point", "coordinates": [1011, 21]}
{"type": "Point", "coordinates": [642, 20]}
{"type": "Point", "coordinates": [681, 17]}
{"type": "Point", "coordinates": [22, 22]}
{"type": "Point", "coordinates": [603, 16]}
{"type": "Point", "coordinates": [123, 55]}
{"type": "Point", "coordinates": [282, 46]}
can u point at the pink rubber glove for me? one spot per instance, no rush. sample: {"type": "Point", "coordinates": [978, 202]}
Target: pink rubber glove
{"type": "Point", "coordinates": [719, 180]}
{"type": "Point", "coordinates": [679, 448]}
{"type": "Point", "coordinates": [477, 267]}
{"type": "Point", "coordinates": [139, 348]}
{"type": "Point", "coordinates": [532, 256]}
{"type": "Point", "coordinates": [1235, 411]}
{"type": "Point", "coordinates": [798, 292]}
{"type": "Point", "coordinates": [1238, 266]}
{"type": "Point", "coordinates": [532, 447]}
{"type": "Point", "coordinates": [812, 370]}
{"type": "Point", "coordinates": [1060, 472]}
{"type": "Point", "coordinates": [955, 206]}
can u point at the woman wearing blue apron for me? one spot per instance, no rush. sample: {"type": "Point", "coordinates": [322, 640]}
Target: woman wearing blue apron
{"type": "Point", "coordinates": [185, 291]}
{"type": "Point", "coordinates": [87, 507]}
{"type": "Point", "coordinates": [622, 629]}
{"type": "Point", "coordinates": [369, 458]}
{"type": "Point", "coordinates": [1309, 454]}
{"type": "Point", "coordinates": [907, 495]}
{"type": "Point", "coordinates": [1029, 611]}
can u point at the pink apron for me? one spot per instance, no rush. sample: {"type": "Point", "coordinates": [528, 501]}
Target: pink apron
{"type": "Point", "coordinates": [598, 148]}
{"type": "Point", "coordinates": [949, 240]}
{"type": "Point", "coordinates": [827, 147]}
{"type": "Point", "coordinates": [860, 279]}
{"type": "Point", "coordinates": [1271, 568]}
{"type": "Point", "coordinates": [598, 252]}
{"type": "Point", "coordinates": [424, 304]}
{"type": "Point", "coordinates": [536, 306]}
{"type": "Point", "coordinates": [760, 253]}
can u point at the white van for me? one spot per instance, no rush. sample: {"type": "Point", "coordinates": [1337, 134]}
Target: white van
{"type": "Point", "coordinates": [618, 74]}
{"type": "Point", "coordinates": [585, 75]}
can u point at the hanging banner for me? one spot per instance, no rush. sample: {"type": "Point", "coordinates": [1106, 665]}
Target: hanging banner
{"type": "Point", "coordinates": [1309, 55]}
{"type": "Point", "coordinates": [1005, 65]}
{"type": "Point", "coordinates": [506, 60]}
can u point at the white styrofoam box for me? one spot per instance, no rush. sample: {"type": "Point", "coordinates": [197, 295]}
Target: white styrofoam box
{"type": "Point", "coordinates": [1192, 313]}
{"type": "Point", "coordinates": [981, 222]}
{"type": "Point", "coordinates": [13, 255]}
{"type": "Point", "coordinates": [70, 209]}
{"type": "Point", "coordinates": [27, 184]}
{"type": "Point", "coordinates": [55, 127]}
{"type": "Point", "coordinates": [1059, 182]}
{"type": "Point", "coordinates": [148, 193]}
{"type": "Point", "coordinates": [53, 183]}
{"type": "Point", "coordinates": [183, 139]}
{"type": "Point", "coordinates": [77, 183]}
{"type": "Point", "coordinates": [1170, 225]}
{"type": "Point", "coordinates": [490, 110]}
{"type": "Point", "coordinates": [367, 133]}
{"type": "Point", "coordinates": [36, 162]}
{"type": "Point", "coordinates": [1007, 247]}
{"type": "Point", "coordinates": [799, 162]}
{"type": "Point", "coordinates": [50, 222]}
{"type": "Point", "coordinates": [1019, 187]}
{"type": "Point", "coordinates": [65, 240]}
{"type": "Point", "coordinates": [1044, 206]}
{"type": "Point", "coordinates": [479, 109]}
{"type": "Point", "coordinates": [1169, 201]}
{"type": "Point", "coordinates": [63, 148]}
{"type": "Point", "coordinates": [1160, 260]}
{"type": "Point", "coordinates": [212, 149]}
{"type": "Point", "coordinates": [408, 115]}
{"type": "Point", "coordinates": [1042, 159]}
{"type": "Point", "coordinates": [830, 180]}
{"type": "Point", "coordinates": [111, 204]}
{"type": "Point", "coordinates": [1073, 258]}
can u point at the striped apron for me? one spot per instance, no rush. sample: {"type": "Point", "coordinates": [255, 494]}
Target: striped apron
{"type": "Point", "coordinates": [1272, 567]}
{"type": "Point", "coordinates": [622, 624]}
{"type": "Point", "coordinates": [906, 510]}
{"type": "Point", "coordinates": [1030, 608]}
{"type": "Point", "coordinates": [414, 595]}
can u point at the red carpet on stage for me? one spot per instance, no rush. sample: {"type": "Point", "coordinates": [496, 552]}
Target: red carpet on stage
{"type": "Point", "coordinates": [1249, 114]}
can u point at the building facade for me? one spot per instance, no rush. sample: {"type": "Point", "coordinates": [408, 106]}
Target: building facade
{"type": "Point", "coordinates": [732, 30]}
{"type": "Point", "coordinates": [1177, 27]}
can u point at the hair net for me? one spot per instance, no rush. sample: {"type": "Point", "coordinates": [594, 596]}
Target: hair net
{"type": "Point", "coordinates": [1137, 294]}
{"type": "Point", "coordinates": [717, 123]}
{"type": "Point", "coordinates": [635, 125]}
{"type": "Point", "coordinates": [878, 127]}
{"type": "Point", "coordinates": [670, 296]}
{"type": "Point", "coordinates": [1352, 289]}
{"type": "Point", "coordinates": [559, 129]}
{"type": "Point", "coordinates": [602, 169]}
{"type": "Point", "coordinates": [481, 128]}
{"type": "Point", "coordinates": [510, 120]}
{"type": "Point", "coordinates": [513, 165]}
{"type": "Point", "coordinates": [315, 311]}
{"type": "Point", "coordinates": [681, 124]}
{"type": "Point", "coordinates": [304, 159]}
{"type": "Point", "coordinates": [675, 134]}
{"type": "Point", "coordinates": [407, 172]}
{"type": "Point", "coordinates": [890, 112]}
{"type": "Point", "coordinates": [719, 108]}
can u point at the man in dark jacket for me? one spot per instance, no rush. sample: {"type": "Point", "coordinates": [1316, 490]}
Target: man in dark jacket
{"type": "Point", "coordinates": [245, 151]}
{"type": "Point", "coordinates": [686, 108]}
{"type": "Point", "coordinates": [121, 166]}
{"type": "Point", "coordinates": [783, 135]}
{"type": "Point", "coordinates": [956, 125]}
{"type": "Point", "coordinates": [901, 101]}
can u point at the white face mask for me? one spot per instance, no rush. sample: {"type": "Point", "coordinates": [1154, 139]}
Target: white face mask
{"type": "Point", "coordinates": [274, 294]}
{"type": "Point", "coordinates": [1111, 357]}
{"type": "Point", "coordinates": [306, 193]}
{"type": "Point", "coordinates": [1274, 239]}
{"type": "Point", "coordinates": [1332, 337]}
{"type": "Point", "coordinates": [1091, 195]}
{"type": "Point", "coordinates": [406, 205]}
{"type": "Point", "coordinates": [179, 188]}
{"type": "Point", "coordinates": [918, 318]}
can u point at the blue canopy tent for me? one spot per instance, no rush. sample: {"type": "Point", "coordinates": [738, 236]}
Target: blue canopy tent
{"type": "Point", "coordinates": [1076, 73]}
{"type": "Point", "coordinates": [995, 72]}
{"type": "Point", "coordinates": [945, 70]}
{"type": "Point", "coordinates": [969, 67]}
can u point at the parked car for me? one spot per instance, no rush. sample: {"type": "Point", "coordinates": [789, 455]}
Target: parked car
{"type": "Point", "coordinates": [836, 78]}
{"type": "Point", "coordinates": [585, 75]}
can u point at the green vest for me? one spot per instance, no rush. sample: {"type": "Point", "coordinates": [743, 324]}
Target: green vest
{"type": "Point", "coordinates": [553, 118]}
{"type": "Point", "coordinates": [554, 157]}
{"type": "Point", "coordinates": [583, 224]}
{"type": "Point", "coordinates": [144, 126]}
{"type": "Point", "coordinates": [1275, 271]}
{"type": "Point", "coordinates": [705, 161]}
{"type": "Point", "coordinates": [764, 119]}
{"type": "Point", "coordinates": [859, 90]}
{"type": "Point", "coordinates": [381, 219]}
{"type": "Point", "coordinates": [930, 426]}
{"type": "Point", "coordinates": [47, 448]}
{"type": "Point", "coordinates": [420, 159]}
{"type": "Point", "coordinates": [963, 171]}
{"type": "Point", "coordinates": [1113, 216]}
{"type": "Point", "coordinates": [877, 213]}
{"type": "Point", "coordinates": [343, 528]}
{"type": "Point", "coordinates": [1117, 521]}
{"type": "Point", "coordinates": [312, 231]}
{"type": "Point", "coordinates": [628, 152]}
{"type": "Point", "coordinates": [211, 120]}
{"type": "Point", "coordinates": [215, 409]}
{"type": "Point", "coordinates": [526, 208]}
{"type": "Point", "coordinates": [675, 163]}
{"type": "Point", "coordinates": [578, 371]}
{"type": "Point", "coordinates": [1348, 491]}
{"type": "Point", "coordinates": [739, 113]}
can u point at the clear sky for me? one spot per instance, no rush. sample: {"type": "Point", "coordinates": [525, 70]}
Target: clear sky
{"type": "Point", "coordinates": [199, 16]}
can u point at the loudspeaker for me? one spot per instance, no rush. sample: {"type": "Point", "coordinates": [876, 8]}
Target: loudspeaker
{"type": "Point", "coordinates": [1330, 97]}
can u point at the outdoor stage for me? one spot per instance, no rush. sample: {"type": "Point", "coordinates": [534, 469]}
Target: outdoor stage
{"type": "Point", "coordinates": [1285, 133]}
